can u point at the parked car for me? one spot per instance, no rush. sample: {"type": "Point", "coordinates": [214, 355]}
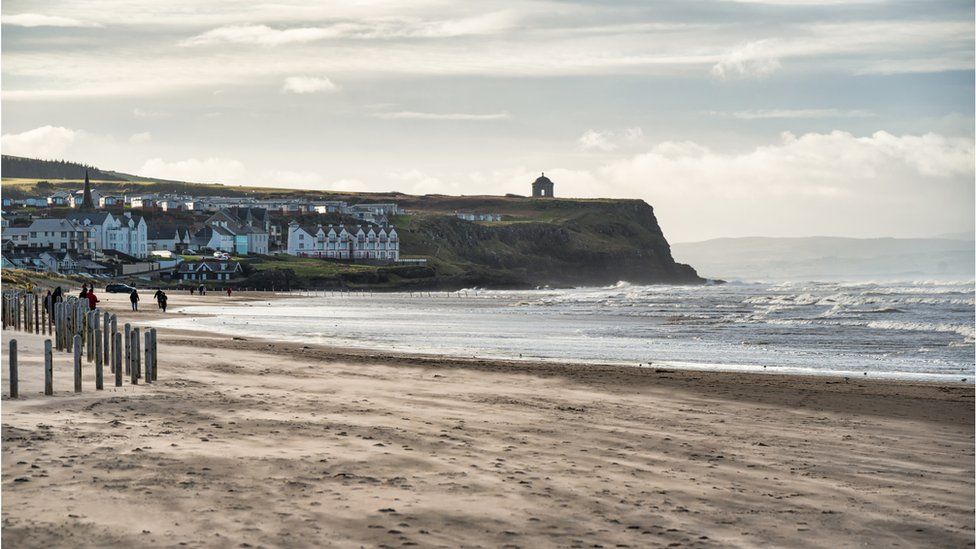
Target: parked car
{"type": "Point", "coordinates": [118, 289]}
{"type": "Point", "coordinates": [221, 256]}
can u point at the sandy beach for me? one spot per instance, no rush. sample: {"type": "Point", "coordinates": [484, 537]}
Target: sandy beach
{"type": "Point", "coordinates": [258, 443]}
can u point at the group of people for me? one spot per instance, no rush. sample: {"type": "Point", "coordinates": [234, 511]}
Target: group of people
{"type": "Point", "coordinates": [88, 293]}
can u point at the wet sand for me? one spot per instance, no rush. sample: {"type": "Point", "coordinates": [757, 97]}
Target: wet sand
{"type": "Point", "coordinates": [264, 443]}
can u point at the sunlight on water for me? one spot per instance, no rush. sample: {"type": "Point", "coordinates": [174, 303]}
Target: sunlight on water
{"type": "Point", "coordinates": [912, 329]}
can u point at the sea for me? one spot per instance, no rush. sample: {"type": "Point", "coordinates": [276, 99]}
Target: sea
{"type": "Point", "coordinates": [921, 330]}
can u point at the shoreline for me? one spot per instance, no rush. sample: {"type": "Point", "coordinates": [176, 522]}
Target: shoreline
{"type": "Point", "coordinates": [274, 443]}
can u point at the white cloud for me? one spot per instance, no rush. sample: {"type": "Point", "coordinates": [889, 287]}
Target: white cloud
{"type": "Point", "coordinates": [365, 29]}
{"type": "Point", "coordinates": [441, 116]}
{"type": "Point", "coordinates": [307, 84]}
{"type": "Point", "coordinates": [608, 140]}
{"type": "Point", "coordinates": [754, 59]}
{"type": "Point", "coordinates": [41, 20]}
{"type": "Point", "coordinates": [44, 142]}
{"type": "Point", "coordinates": [208, 170]}
{"type": "Point", "coordinates": [793, 113]}
{"type": "Point", "coordinates": [149, 114]}
{"type": "Point", "coordinates": [140, 138]}
{"type": "Point", "coordinates": [817, 183]}
{"type": "Point", "coordinates": [291, 178]}
{"type": "Point", "coordinates": [593, 140]}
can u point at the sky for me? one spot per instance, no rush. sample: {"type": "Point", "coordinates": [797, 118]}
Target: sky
{"type": "Point", "coordinates": [730, 117]}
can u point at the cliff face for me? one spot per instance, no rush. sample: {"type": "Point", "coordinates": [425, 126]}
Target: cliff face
{"type": "Point", "coordinates": [574, 243]}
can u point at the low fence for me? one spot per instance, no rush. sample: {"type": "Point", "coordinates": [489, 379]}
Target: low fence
{"type": "Point", "coordinates": [91, 335]}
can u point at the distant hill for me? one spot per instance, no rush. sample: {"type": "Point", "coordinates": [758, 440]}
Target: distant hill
{"type": "Point", "coordinates": [32, 168]}
{"type": "Point", "coordinates": [830, 258]}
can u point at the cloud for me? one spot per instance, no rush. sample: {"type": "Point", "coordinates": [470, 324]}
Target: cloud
{"type": "Point", "coordinates": [754, 59]}
{"type": "Point", "coordinates": [149, 114]}
{"type": "Point", "coordinates": [208, 170]}
{"type": "Point", "coordinates": [40, 20]}
{"type": "Point", "coordinates": [816, 183]}
{"type": "Point", "coordinates": [414, 115]}
{"type": "Point", "coordinates": [307, 84]}
{"type": "Point", "coordinates": [43, 142]}
{"type": "Point", "coordinates": [608, 140]}
{"type": "Point", "coordinates": [140, 138]}
{"type": "Point", "coordinates": [365, 29]}
{"type": "Point", "coordinates": [793, 113]}
{"type": "Point", "coordinates": [291, 178]}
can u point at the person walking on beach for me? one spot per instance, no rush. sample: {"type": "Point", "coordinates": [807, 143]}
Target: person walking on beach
{"type": "Point", "coordinates": [57, 296]}
{"type": "Point", "coordinates": [84, 291]}
{"type": "Point", "coordinates": [191, 290]}
{"type": "Point", "coordinates": [92, 300]}
{"type": "Point", "coordinates": [202, 290]}
{"type": "Point", "coordinates": [228, 291]}
{"type": "Point", "coordinates": [49, 303]}
{"type": "Point", "coordinates": [134, 299]}
{"type": "Point", "coordinates": [161, 299]}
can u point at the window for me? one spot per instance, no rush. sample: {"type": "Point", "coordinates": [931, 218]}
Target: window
{"type": "Point", "coordinates": [33, 234]}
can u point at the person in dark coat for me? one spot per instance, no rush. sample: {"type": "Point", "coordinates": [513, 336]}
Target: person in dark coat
{"type": "Point", "coordinates": [84, 291]}
{"type": "Point", "coordinates": [49, 303]}
{"type": "Point", "coordinates": [160, 299]}
{"type": "Point", "coordinates": [134, 299]}
{"type": "Point", "coordinates": [57, 296]}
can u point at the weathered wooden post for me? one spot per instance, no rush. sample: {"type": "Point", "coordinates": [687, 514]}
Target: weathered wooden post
{"type": "Point", "coordinates": [134, 356]}
{"type": "Point", "coordinates": [106, 335]}
{"type": "Point", "coordinates": [12, 360]}
{"type": "Point", "coordinates": [90, 317]}
{"type": "Point", "coordinates": [37, 316]}
{"type": "Point", "coordinates": [44, 316]}
{"type": "Point", "coordinates": [77, 363]}
{"type": "Point", "coordinates": [48, 368]}
{"type": "Point", "coordinates": [155, 355]}
{"type": "Point", "coordinates": [99, 382]}
{"type": "Point", "coordinates": [148, 351]}
{"type": "Point", "coordinates": [117, 357]}
{"type": "Point", "coordinates": [128, 348]}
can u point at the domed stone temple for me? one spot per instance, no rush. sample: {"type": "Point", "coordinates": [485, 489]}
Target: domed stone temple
{"type": "Point", "coordinates": [542, 187]}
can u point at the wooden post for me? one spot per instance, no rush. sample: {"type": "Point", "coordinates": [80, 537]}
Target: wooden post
{"type": "Point", "coordinates": [37, 317]}
{"type": "Point", "coordinates": [134, 356]}
{"type": "Point", "coordinates": [13, 368]}
{"type": "Point", "coordinates": [48, 368]}
{"type": "Point", "coordinates": [77, 363]}
{"type": "Point", "coordinates": [128, 348]}
{"type": "Point", "coordinates": [117, 357]}
{"type": "Point", "coordinates": [148, 351]}
{"type": "Point", "coordinates": [106, 335]}
{"type": "Point", "coordinates": [99, 382]}
{"type": "Point", "coordinates": [90, 317]}
{"type": "Point", "coordinates": [44, 316]}
{"type": "Point", "coordinates": [155, 355]}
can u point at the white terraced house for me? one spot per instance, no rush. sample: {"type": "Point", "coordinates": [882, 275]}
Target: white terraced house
{"type": "Point", "coordinates": [341, 242]}
{"type": "Point", "coordinates": [125, 233]}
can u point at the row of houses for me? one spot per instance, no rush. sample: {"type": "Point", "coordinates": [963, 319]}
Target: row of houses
{"type": "Point", "coordinates": [378, 243]}
{"type": "Point", "coordinates": [367, 212]}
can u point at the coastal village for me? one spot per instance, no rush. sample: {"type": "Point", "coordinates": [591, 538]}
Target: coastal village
{"type": "Point", "coordinates": [198, 238]}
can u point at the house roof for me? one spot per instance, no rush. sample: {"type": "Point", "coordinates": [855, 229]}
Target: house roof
{"type": "Point", "coordinates": [53, 225]}
{"type": "Point", "coordinates": [95, 218]}
{"type": "Point", "coordinates": [209, 265]}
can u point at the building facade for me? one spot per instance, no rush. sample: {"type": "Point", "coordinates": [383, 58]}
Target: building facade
{"type": "Point", "coordinates": [341, 242]}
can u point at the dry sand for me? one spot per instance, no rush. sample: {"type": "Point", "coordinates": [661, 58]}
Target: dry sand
{"type": "Point", "coordinates": [258, 443]}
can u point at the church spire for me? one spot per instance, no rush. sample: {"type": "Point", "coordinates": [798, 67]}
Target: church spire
{"type": "Point", "coordinates": [87, 204]}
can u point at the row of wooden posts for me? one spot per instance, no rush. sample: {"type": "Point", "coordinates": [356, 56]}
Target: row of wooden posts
{"type": "Point", "coordinates": [77, 329]}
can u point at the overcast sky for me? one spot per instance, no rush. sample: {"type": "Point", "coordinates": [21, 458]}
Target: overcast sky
{"type": "Point", "coordinates": [731, 118]}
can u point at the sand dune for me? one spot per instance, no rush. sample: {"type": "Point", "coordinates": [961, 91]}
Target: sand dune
{"type": "Point", "coordinates": [259, 443]}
